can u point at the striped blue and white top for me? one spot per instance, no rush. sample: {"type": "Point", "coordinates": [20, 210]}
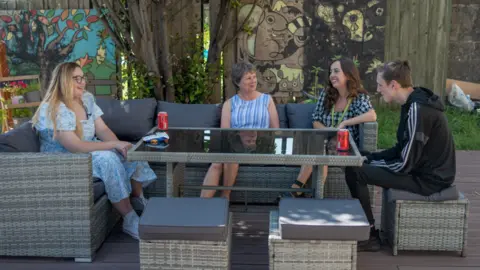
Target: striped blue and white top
{"type": "Point", "coordinates": [250, 113]}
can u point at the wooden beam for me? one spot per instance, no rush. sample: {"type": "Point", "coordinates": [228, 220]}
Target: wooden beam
{"type": "Point", "coordinates": [19, 78]}
{"type": "Point", "coordinates": [101, 82]}
{"type": "Point", "coordinates": [22, 105]}
{"type": "Point", "coordinates": [38, 4]}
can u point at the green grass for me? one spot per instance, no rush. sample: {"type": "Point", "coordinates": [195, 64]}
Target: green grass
{"type": "Point", "coordinates": [464, 125]}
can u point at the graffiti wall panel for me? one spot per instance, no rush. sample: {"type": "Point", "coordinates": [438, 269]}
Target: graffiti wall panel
{"type": "Point", "coordinates": [291, 42]}
{"type": "Point", "coordinates": [37, 40]}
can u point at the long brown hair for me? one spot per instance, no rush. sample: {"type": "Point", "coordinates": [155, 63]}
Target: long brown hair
{"type": "Point", "coordinates": [60, 89]}
{"type": "Point", "coordinates": [354, 84]}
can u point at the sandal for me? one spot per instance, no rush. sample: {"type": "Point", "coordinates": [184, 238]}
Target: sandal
{"type": "Point", "coordinates": [294, 194]}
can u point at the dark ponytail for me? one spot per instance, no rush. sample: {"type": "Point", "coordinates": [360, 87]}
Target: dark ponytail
{"type": "Point", "coordinates": [398, 71]}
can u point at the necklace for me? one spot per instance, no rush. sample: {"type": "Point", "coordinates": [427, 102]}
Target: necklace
{"type": "Point", "coordinates": [343, 114]}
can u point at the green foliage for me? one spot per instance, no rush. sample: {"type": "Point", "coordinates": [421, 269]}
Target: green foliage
{"type": "Point", "coordinates": [191, 79]}
{"type": "Point", "coordinates": [248, 29]}
{"type": "Point", "coordinates": [24, 112]}
{"type": "Point", "coordinates": [235, 3]}
{"type": "Point", "coordinates": [316, 87]}
{"type": "Point", "coordinates": [310, 101]}
{"type": "Point", "coordinates": [206, 36]}
{"type": "Point", "coordinates": [355, 59]}
{"type": "Point", "coordinates": [136, 81]}
{"type": "Point", "coordinates": [2, 115]}
{"type": "Point", "coordinates": [20, 113]}
{"type": "Point", "coordinates": [17, 113]}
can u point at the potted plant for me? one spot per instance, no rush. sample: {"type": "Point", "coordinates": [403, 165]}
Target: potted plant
{"type": "Point", "coordinates": [20, 116]}
{"type": "Point", "coordinates": [31, 93]}
{"type": "Point", "coordinates": [10, 92]}
{"type": "Point", "coordinates": [13, 93]}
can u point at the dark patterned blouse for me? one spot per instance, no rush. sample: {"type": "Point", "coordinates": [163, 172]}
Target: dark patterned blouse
{"type": "Point", "coordinates": [359, 105]}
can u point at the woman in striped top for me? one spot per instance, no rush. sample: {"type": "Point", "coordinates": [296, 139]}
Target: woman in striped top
{"type": "Point", "coordinates": [247, 109]}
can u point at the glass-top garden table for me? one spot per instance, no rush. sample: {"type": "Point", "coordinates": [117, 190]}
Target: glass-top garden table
{"type": "Point", "coordinates": [249, 146]}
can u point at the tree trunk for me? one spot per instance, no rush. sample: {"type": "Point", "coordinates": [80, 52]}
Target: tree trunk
{"type": "Point", "coordinates": [217, 8]}
{"type": "Point", "coordinates": [44, 79]}
{"type": "Point", "coordinates": [163, 57]}
{"type": "Point", "coordinates": [145, 32]}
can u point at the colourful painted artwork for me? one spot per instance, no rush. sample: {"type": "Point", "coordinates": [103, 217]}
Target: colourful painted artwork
{"type": "Point", "coordinates": [292, 42]}
{"type": "Point", "coordinates": [37, 40]}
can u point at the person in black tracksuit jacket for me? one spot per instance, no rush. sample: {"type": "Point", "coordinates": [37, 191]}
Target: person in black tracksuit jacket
{"type": "Point", "coordinates": [423, 159]}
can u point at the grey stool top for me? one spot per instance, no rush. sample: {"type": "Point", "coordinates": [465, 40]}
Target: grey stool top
{"type": "Point", "coordinates": [185, 219]}
{"type": "Point", "coordinates": [448, 194]}
{"type": "Point", "coordinates": [325, 219]}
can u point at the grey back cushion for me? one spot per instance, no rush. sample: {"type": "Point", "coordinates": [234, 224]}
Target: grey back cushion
{"type": "Point", "coordinates": [191, 115]}
{"type": "Point", "coordinates": [282, 115]}
{"type": "Point", "coordinates": [300, 115]}
{"type": "Point", "coordinates": [130, 120]}
{"type": "Point", "coordinates": [20, 139]}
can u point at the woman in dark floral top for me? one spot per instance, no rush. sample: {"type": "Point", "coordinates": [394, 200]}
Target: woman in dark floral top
{"type": "Point", "coordinates": [344, 104]}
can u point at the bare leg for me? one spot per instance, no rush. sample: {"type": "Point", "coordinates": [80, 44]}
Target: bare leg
{"type": "Point", "coordinates": [305, 172]}
{"type": "Point", "coordinates": [229, 177]}
{"type": "Point", "coordinates": [137, 188]}
{"type": "Point", "coordinates": [212, 178]}
{"type": "Point", "coordinates": [137, 199]}
{"type": "Point", "coordinates": [325, 173]}
{"type": "Point", "coordinates": [123, 207]}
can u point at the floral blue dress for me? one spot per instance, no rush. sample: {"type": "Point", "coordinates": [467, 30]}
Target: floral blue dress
{"type": "Point", "coordinates": [109, 166]}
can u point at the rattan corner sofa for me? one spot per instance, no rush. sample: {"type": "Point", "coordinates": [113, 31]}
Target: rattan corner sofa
{"type": "Point", "coordinates": [51, 207]}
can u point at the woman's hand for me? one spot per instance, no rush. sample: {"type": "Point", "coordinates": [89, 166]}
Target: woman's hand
{"type": "Point", "coordinates": [342, 125]}
{"type": "Point", "coordinates": [318, 125]}
{"type": "Point", "coordinates": [332, 144]}
{"type": "Point", "coordinates": [122, 147]}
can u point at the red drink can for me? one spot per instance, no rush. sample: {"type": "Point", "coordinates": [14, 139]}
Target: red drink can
{"type": "Point", "coordinates": [162, 121]}
{"type": "Point", "coordinates": [342, 140]}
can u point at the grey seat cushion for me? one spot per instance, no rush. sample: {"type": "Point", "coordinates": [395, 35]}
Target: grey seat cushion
{"type": "Point", "coordinates": [185, 219]}
{"type": "Point", "coordinates": [130, 120]}
{"type": "Point", "coordinates": [191, 115]}
{"type": "Point", "coordinates": [300, 115]}
{"type": "Point", "coordinates": [448, 194]}
{"type": "Point", "coordinates": [20, 139]}
{"type": "Point", "coordinates": [98, 189]}
{"type": "Point", "coordinates": [326, 219]}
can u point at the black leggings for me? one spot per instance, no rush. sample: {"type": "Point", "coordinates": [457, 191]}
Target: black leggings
{"type": "Point", "coordinates": [359, 177]}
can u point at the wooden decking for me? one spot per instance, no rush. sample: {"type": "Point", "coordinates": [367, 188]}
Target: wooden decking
{"type": "Point", "coordinates": [250, 246]}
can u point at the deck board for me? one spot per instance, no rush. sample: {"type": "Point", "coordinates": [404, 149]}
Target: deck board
{"type": "Point", "coordinates": [250, 240]}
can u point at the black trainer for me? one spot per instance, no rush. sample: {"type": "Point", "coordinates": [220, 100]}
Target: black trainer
{"type": "Point", "coordinates": [373, 244]}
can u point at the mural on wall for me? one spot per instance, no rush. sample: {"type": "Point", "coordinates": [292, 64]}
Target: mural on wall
{"type": "Point", "coordinates": [37, 40]}
{"type": "Point", "coordinates": [293, 41]}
